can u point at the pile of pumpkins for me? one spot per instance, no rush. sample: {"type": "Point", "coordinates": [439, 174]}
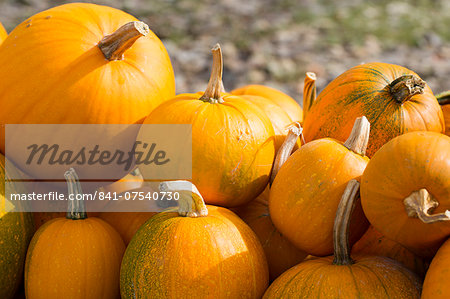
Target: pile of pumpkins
{"type": "Point", "coordinates": [348, 197]}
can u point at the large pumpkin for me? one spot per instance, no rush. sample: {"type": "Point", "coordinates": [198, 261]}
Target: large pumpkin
{"type": "Point", "coordinates": [307, 189]}
{"type": "Point", "coordinates": [82, 63]}
{"type": "Point", "coordinates": [362, 276]}
{"type": "Point", "coordinates": [74, 257]}
{"type": "Point", "coordinates": [436, 284]}
{"type": "Point", "coordinates": [16, 230]}
{"type": "Point", "coordinates": [394, 100]}
{"type": "Point", "coordinates": [198, 252]}
{"type": "Point", "coordinates": [281, 254]}
{"type": "Point", "coordinates": [3, 33]}
{"type": "Point", "coordinates": [232, 140]}
{"type": "Point", "coordinates": [405, 191]}
{"type": "Point", "coordinates": [444, 101]}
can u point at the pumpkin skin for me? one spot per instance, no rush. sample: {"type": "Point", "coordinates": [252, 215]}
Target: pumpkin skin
{"type": "Point", "coordinates": [125, 90]}
{"type": "Point", "coordinates": [3, 33]}
{"type": "Point", "coordinates": [374, 243]}
{"type": "Point", "coordinates": [288, 104]}
{"type": "Point", "coordinates": [280, 253]}
{"type": "Point", "coordinates": [402, 166]}
{"type": "Point", "coordinates": [306, 192]}
{"type": "Point", "coordinates": [16, 230]}
{"type": "Point", "coordinates": [436, 284]}
{"type": "Point", "coordinates": [225, 260]}
{"type": "Point", "coordinates": [363, 90]}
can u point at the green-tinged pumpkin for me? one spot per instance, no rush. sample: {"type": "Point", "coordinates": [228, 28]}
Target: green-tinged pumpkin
{"type": "Point", "coordinates": [74, 257]}
{"type": "Point", "coordinates": [436, 284]}
{"type": "Point", "coordinates": [198, 252]}
{"type": "Point", "coordinates": [16, 230]}
{"type": "Point", "coordinates": [394, 100]}
{"type": "Point", "coordinates": [233, 144]}
{"type": "Point", "coordinates": [307, 189]}
{"type": "Point", "coordinates": [362, 276]}
{"type": "Point", "coordinates": [405, 191]}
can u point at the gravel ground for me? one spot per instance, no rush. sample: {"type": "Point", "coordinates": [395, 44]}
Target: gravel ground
{"type": "Point", "coordinates": [274, 42]}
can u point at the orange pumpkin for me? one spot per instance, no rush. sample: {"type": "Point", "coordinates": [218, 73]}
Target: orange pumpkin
{"type": "Point", "coordinates": [374, 243]}
{"type": "Point", "coordinates": [280, 253]}
{"type": "Point", "coordinates": [394, 100]}
{"type": "Point", "coordinates": [405, 191]}
{"type": "Point", "coordinates": [85, 64]}
{"type": "Point", "coordinates": [3, 33]}
{"type": "Point", "coordinates": [444, 101]}
{"type": "Point", "coordinates": [74, 257]}
{"type": "Point", "coordinates": [279, 98]}
{"type": "Point", "coordinates": [341, 276]}
{"type": "Point", "coordinates": [307, 189]}
{"type": "Point", "coordinates": [232, 140]}
{"type": "Point", "coordinates": [436, 284]}
{"type": "Point", "coordinates": [200, 252]}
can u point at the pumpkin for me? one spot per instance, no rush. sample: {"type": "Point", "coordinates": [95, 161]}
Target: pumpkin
{"type": "Point", "coordinates": [374, 243]}
{"type": "Point", "coordinates": [232, 140]}
{"type": "Point", "coordinates": [198, 252]}
{"type": "Point", "coordinates": [309, 92]}
{"type": "Point", "coordinates": [3, 33]}
{"type": "Point", "coordinates": [405, 191]}
{"type": "Point", "coordinates": [342, 276]}
{"type": "Point", "coordinates": [16, 230]}
{"type": "Point", "coordinates": [280, 253]}
{"type": "Point", "coordinates": [436, 284]}
{"type": "Point", "coordinates": [444, 101]}
{"type": "Point", "coordinates": [74, 257]}
{"type": "Point", "coordinates": [307, 189]}
{"type": "Point", "coordinates": [85, 64]}
{"type": "Point", "coordinates": [394, 100]}
{"type": "Point", "coordinates": [279, 98]}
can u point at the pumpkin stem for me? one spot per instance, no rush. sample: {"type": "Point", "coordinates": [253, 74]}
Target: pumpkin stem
{"type": "Point", "coordinates": [444, 98]}
{"type": "Point", "coordinates": [190, 202]}
{"type": "Point", "coordinates": [420, 203]}
{"type": "Point", "coordinates": [406, 86]}
{"type": "Point", "coordinates": [309, 92]}
{"type": "Point", "coordinates": [114, 45]}
{"type": "Point", "coordinates": [342, 224]}
{"type": "Point", "coordinates": [215, 87]}
{"type": "Point", "coordinates": [359, 137]}
{"type": "Point", "coordinates": [295, 130]}
{"type": "Point", "coordinates": [76, 209]}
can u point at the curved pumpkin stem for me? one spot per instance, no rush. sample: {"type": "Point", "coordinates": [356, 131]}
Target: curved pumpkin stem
{"type": "Point", "coordinates": [215, 87]}
{"type": "Point", "coordinates": [114, 45]}
{"type": "Point", "coordinates": [420, 203]}
{"type": "Point", "coordinates": [190, 202]}
{"type": "Point", "coordinates": [359, 136]}
{"type": "Point", "coordinates": [309, 92]}
{"type": "Point", "coordinates": [406, 86]}
{"type": "Point", "coordinates": [444, 98]}
{"type": "Point", "coordinates": [295, 130]}
{"type": "Point", "coordinates": [76, 209]}
{"type": "Point", "coordinates": [342, 224]}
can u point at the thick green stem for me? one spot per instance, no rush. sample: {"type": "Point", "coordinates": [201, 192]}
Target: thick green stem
{"type": "Point", "coordinates": [444, 98]}
{"type": "Point", "coordinates": [215, 87]}
{"type": "Point", "coordinates": [76, 209]}
{"type": "Point", "coordinates": [406, 86]}
{"type": "Point", "coordinates": [190, 201]}
{"type": "Point", "coordinates": [113, 46]}
{"type": "Point", "coordinates": [342, 224]}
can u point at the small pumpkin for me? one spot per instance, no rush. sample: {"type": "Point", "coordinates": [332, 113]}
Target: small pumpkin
{"type": "Point", "coordinates": [3, 33]}
{"type": "Point", "coordinates": [444, 101]}
{"type": "Point", "coordinates": [405, 191]}
{"type": "Point", "coordinates": [16, 230]}
{"type": "Point", "coordinates": [280, 253]}
{"type": "Point", "coordinates": [74, 257]}
{"type": "Point", "coordinates": [436, 284]}
{"type": "Point", "coordinates": [307, 189]}
{"type": "Point", "coordinates": [85, 64]}
{"type": "Point", "coordinates": [374, 243]}
{"type": "Point", "coordinates": [232, 140]}
{"type": "Point", "coordinates": [341, 276]}
{"type": "Point", "coordinates": [394, 99]}
{"type": "Point", "coordinates": [198, 252]}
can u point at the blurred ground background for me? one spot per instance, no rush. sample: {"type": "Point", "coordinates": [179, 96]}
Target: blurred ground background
{"type": "Point", "coordinates": [274, 42]}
